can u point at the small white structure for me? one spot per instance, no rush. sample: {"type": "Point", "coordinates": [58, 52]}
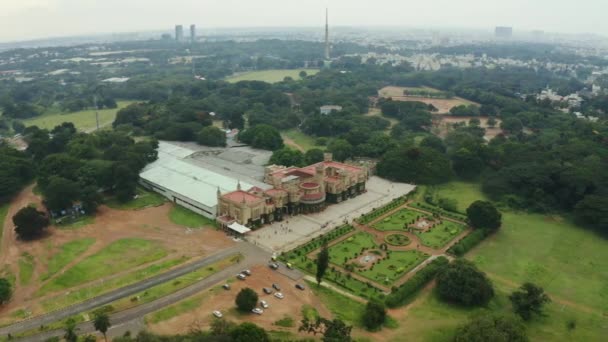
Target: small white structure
{"type": "Point", "coordinates": [327, 109]}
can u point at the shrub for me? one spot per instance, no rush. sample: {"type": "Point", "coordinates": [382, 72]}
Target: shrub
{"type": "Point", "coordinates": [466, 243]}
{"type": "Point", "coordinates": [402, 294]}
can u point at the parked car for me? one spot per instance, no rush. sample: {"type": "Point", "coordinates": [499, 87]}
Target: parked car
{"type": "Point", "coordinates": [264, 304]}
{"type": "Point", "coordinates": [276, 287]}
{"type": "Point", "coordinates": [217, 314]}
{"type": "Point", "coordinates": [289, 266]}
{"type": "Point", "coordinates": [226, 286]}
{"type": "Point", "coordinates": [267, 290]}
{"type": "Point", "coordinates": [257, 311]}
{"type": "Point", "coordinates": [300, 287]}
{"type": "Point", "coordinates": [274, 266]}
{"type": "Point", "coordinates": [279, 295]}
{"type": "Point", "coordinates": [246, 272]}
{"type": "Point", "coordinates": [241, 276]}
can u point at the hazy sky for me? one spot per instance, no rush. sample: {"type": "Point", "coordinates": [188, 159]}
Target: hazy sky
{"type": "Point", "coordinates": [26, 19]}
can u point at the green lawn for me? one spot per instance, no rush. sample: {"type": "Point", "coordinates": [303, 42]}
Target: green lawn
{"type": "Point", "coordinates": [341, 307]}
{"type": "Point", "coordinates": [386, 271]}
{"type": "Point", "coordinates": [346, 249]}
{"type": "Point", "coordinates": [398, 221]}
{"type": "Point", "coordinates": [83, 120]}
{"type": "Point", "coordinates": [184, 217]}
{"type": "Point", "coordinates": [3, 212]}
{"type": "Point", "coordinates": [144, 199]}
{"type": "Point", "coordinates": [270, 76]}
{"type": "Point", "coordinates": [119, 256]}
{"type": "Point", "coordinates": [91, 291]}
{"type": "Point", "coordinates": [441, 234]}
{"type": "Point", "coordinates": [67, 252]}
{"type": "Point", "coordinates": [303, 140]}
{"type": "Point", "coordinates": [464, 193]}
{"type": "Point", "coordinates": [26, 268]}
{"type": "Point", "coordinates": [179, 308]}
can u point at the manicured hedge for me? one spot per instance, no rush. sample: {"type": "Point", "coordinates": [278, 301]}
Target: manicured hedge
{"type": "Point", "coordinates": [367, 218]}
{"type": "Point", "coordinates": [440, 211]}
{"type": "Point", "coordinates": [403, 293]}
{"type": "Point", "coordinates": [466, 243]}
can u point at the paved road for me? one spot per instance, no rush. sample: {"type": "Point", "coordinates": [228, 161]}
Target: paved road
{"type": "Point", "coordinates": [253, 255]}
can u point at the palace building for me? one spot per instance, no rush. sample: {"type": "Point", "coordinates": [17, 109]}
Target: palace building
{"type": "Point", "coordinates": [294, 190]}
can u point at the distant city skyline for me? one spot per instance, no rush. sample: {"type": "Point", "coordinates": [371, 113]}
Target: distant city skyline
{"type": "Point", "coordinates": [33, 19]}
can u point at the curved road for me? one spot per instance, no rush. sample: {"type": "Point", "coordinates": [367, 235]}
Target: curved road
{"type": "Point", "coordinates": [252, 255]}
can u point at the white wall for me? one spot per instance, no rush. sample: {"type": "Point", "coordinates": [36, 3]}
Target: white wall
{"type": "Point", "coordinates": [199, 208]}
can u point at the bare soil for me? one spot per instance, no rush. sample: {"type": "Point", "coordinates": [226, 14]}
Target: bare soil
{"type": "Point", "coordinates": [443, 105]}
{"type": "Point", "coordinates": [110, 225]}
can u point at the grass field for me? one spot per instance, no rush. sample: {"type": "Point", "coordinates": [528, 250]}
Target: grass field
{"type": "Point", "coordinates": [441, 234]}
{"type": "Point", "coordinates": [118, 256]}
{"type": "Point", "coordinates": [80, 222]}
{"type": "Point", "coordinates": [346, 250]}
{"type": "Point", "coordinates": [341, 307]}
{"type": "Point", "coordinates": [83, 120]}
{"type": "Point", "coordinates": [306, 142]}
{"type": "Point", "coordinates": [26, 268]}
{"type": "Point", "coordinates": [270, 76]}
{"type": "Point", "coordinates": [144, 199]}
{"type": "Point", "coordinates": [398, 221]}
{"type": "Point", "coordinates": [91, 291]}
{"type": "Point", "coordinates": [386, 271]}
{"type": "Point", "coordinates": [67, 252]}
{"type": "Point", "coordinates": [184, 217]}
{"type": "Point", "coordinates": [3, 212]}
{"type": "Point", "coordinates": [569, 262]}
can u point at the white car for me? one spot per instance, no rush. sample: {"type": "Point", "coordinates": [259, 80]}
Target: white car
{"type": "Point", "coordinates": [279, 295]}
{"type": "Point", "coordinates": [246, 272]}
{"type": "Point", "coordinates": [217, 314]}
{"type": "Point", "coordinates": [257, 311]}
{"type": "Point", "coordinates": [241, 276]}
{"type": "Point", "coordinates": [264, 304]}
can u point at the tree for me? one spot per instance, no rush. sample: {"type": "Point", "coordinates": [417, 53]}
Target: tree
{"type": "Point", "coordinates": [313, 156]}
{"type": "Point", "coordinates": [374, 315]}
{"type": "Point", "coordinates": [18, 126]}
{"type": "Point", "coordinates": [340, 149]}
{"type": "Point", "coordinates": [322, 263]}
{"type": "Point", "coordinates": [247, 332]}
{"type": "Point", "coordinates": [101, 322]}
{"type": "Point", "coordinates": [421, 165]}
{"type": "Point", "coordinates": [246, 300]}
{"type": "Point", "coordinates": [461, 282]}
{"type": "Point", "coordinates": [262, 136]}
{"type": "Point", "coordinates": [211, 136]}
{"type": "Point", "coordinates": [303, 74]}
{"type": "Point", "coordinates": [287, 157]}
{"type": "Point", "coordinates": [483, 214]}
{"type": "Point", "coordinates": [466, 164]}
{"type": "Point", "coordinates": [529, 300]}
{"type": "Point", "coordinates": [6, 290]}
{"type": "Point", "coordinates": [70, 331]}
{"type": "Point", "coordinates": [512, 125]}
{"type": "Point", "coordinates": [333, 331]}
{"type": "Point", "coordinates": [60, 193]}
{"type": "Point", "coordinates": [492, 328]}
{"type": "Point", "coordinates": [491, 122]}
{"type": "Point", "coordinates": [434, 143]}
{"type": "Point", "coordinates": [30, 223]}
{"type": "Point", "coordinates": [593, 210]}
{"type": "Point", "coordinates": [222, 327]}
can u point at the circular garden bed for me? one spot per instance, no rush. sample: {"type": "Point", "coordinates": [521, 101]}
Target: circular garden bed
{"type": "Point", "coordinates": [397, 240]}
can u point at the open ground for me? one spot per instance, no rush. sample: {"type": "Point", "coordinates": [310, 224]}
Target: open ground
{"type": "Point", "coordinates": [84, 120]}
{"type": "Point", "coordinates": [443, 105]}
{"type": "Point", "coordinates": [270, 76]}
{"type": "Point", "coordinates": [442, 125]}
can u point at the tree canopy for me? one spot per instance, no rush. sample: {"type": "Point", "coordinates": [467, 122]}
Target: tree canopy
{"type": "Point", "coordinates": [492, 328]}
{"type": "Point", "coordinates": [483, 214]}
{"type": "Point", "coordinates": [30, 223]}
{"type": "Point", "coordinates": [461, 282]}
{"type": "Point", "coordinates": [246, 300]}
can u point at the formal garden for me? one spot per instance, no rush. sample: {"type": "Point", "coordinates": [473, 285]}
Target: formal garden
{"type": "Point", "coordinates": [398, 221]}
{"type": "Point", "coordinates": [440, 234]}
{"type": "Point", "coordinates": [397, 240]}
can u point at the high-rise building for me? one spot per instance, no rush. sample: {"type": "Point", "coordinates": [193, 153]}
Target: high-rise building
{"type": "Point", "coordinates": [326, 35]}
{"type": "Point", "coordinates": [503, 32]}
{"type": "Point", "coordinates": [192, 33]}
{"type": "Point", "coordinates": [179, 33]}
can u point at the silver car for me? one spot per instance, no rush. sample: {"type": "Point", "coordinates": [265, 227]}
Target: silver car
{"type": "Point", "coordinates": [257, 311]}
{"type": "Point", "coordinates": [279, 295]}
{"type": "Point", "coordinates": [264, 304]}
{"type": "Point", "coordinates": [217, 314]}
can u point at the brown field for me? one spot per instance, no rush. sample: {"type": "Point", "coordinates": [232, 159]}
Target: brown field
{"type": "Point", "coordinates": [443, 105]}
{"type": "Point", "coordinates": [223, 300]}
{"type": "Point", "coordinates": [443, 123]}
{"type": "Point", "coordinates": [151, 224]}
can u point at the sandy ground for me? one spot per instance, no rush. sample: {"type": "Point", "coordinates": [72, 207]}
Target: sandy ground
{"type": "Point", "coordinates": [443, 105]}
{"type": "Point", "coordinates": [295, 230]}
{"type": "Point", "coordinates": [261, 277]}
{"type": "Point", "coordinates": [110, 225]}
{"type": "Point", "coordinates": [443, 124]}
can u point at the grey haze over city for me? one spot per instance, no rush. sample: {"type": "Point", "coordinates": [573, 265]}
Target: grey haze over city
{"type": "Point", "coordinates": [35, 19]}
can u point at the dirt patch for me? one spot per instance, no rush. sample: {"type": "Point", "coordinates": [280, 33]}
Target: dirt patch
{"type": "Point", "coordinates": [109, 225]}
{"type": "Point", "coordinates": [443, 105]}
{"type": "Point", "coordinates": [442, 124]}
{"type": "Point", "coordinates": [223, 301]}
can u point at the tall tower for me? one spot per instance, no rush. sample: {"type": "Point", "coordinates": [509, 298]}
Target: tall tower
{"type": "Point", "coordinates": [192, 33]}
{"type": "Point", "coordinates": [179, 33]}
{"type": "Point", "coordinates": [326, 34]}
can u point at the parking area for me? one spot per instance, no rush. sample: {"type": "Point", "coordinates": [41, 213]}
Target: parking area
{"type": "Point", "coordinates": [295, 230]}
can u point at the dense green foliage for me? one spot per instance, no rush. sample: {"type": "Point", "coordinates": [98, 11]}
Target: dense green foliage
{"type": "Point", "coordinates": [247, 332]}
{"type": "Point", "coordinates": [16, 169]}
{"type": "Point", "coordinates": [211, 136]}
{"type": "Point", "coordinates": [419, 165]}
{"type": "Point", "coordinates": [287, 157]}
{"type": "Point", "coordinates": [246, 300]}
{"type": "Point", "coordinates": [407, 290]}
{"type": "Point", "coordinates": [30, 223]}
{"type": "Point", "coordinates": [483, 214]}
{"type": "Point", "coordinates": [6, 290]}
{"type": "Point", "coordinates": [492, 328]}
{"type": "Point", "coordinates": [262, 136]}
{"type": "Point", "coordinates": [322, 263]}
{"type": "Point", "coordinates": [462, 283]}
{"type": "Point", "coordinates": [374, 315]}
{"type": "Point", "coordinates": [466, 243]}
{"type": "Point", "coordinates": [529, 300]}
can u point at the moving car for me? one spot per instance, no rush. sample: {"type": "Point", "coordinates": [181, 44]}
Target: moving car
{"type": "Point", "coordinates": [267, 290]}
{"type": "Point", "coordinates": [217, 314]}
{"type": "Point", "coordinates": [279, 295]}
{"type": "Point", "coordinates": [276, 287]}
{"type": "Point", "coordinates": [257, 311]}
{"type": "Point", "coordinates": [264, 304]}
{"type": "Point", "coordinates": [300, 287]}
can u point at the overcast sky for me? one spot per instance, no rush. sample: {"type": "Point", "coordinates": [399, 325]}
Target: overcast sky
{"type": "Point", "coordinates": [26, 19]}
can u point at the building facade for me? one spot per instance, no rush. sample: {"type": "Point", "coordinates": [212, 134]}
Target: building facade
{"type": "Point", "coordinates": [295, 190]}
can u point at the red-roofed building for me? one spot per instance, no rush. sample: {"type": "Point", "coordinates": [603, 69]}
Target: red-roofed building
{"type": "Point", "coordinates": [295, 190]}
